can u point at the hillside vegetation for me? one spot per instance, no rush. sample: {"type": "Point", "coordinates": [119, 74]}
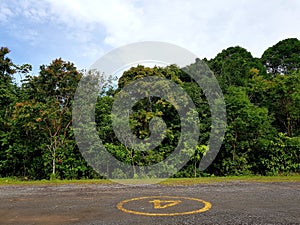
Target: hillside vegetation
{"type": "Point", "coordinates": [262, 97]}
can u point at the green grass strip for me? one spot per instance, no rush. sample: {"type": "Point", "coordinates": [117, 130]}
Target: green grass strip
{"type": "Point", "coordinates": [167, 182]}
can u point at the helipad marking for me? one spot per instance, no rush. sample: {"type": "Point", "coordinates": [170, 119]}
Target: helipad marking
{"type": "Point", "coordinates": [158, 200]}
{"type": "Point", "coordinates": [170, 203]}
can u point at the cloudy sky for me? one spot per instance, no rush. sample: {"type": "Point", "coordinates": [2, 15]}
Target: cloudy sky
{"type": "Point", "coordinates": [82, 31]}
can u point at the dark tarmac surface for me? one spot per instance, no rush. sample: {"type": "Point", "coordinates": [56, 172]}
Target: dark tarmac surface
{"type": "Point", "coordinates": [231, 203]}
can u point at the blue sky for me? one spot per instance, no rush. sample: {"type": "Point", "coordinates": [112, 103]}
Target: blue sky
{"type": "Point", "coordinates": [82, 31]}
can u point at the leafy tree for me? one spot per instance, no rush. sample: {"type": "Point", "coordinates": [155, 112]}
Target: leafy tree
{"type": "Point", "coordinates": [141, 114]}
{"type": "Point", "coordinates": [283, 57]}
{"type": "Point", "coordinates": [25, 149]}
{"type": "Point", "coordinates": [9, 93]}
{"type": "Point", "coordinates": [278, 155]}
{"type": "Point", "coordinates": [280, 94]}
{"type": "Point", "coordinates": [53, 92]}
{"type": "Point", "coordinates": [234, 66]}
{"type": "Point", "coordinates": [247, 124]}
{"type": "Point", "coordinates": [262, 102]}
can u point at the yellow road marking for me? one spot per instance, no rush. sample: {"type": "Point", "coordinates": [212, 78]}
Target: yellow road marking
{"type": "Point", "coordinates": [207, 206]}
{"type": "Point", "coordinates": [157, 203]}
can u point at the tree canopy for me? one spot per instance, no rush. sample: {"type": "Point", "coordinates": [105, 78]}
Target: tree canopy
{"type": "Point", "coordinates": [262, 97]}
{"type": "Point", "coordinates": [283, 57]}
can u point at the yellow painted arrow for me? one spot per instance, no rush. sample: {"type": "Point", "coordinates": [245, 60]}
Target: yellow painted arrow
{"type": "Point", "coordinates": [162, 204]}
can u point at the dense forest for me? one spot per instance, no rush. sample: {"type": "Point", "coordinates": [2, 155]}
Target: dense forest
{"type": "Point", "coordinates": [262, 97]}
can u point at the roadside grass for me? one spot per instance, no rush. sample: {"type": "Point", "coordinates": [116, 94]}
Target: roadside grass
{"type": "Point", "coordinates": [167, 182]}
{"type": "Point", "coordinates": [16, 181]}
{"type": "Point", "coordinates": [230, 179]}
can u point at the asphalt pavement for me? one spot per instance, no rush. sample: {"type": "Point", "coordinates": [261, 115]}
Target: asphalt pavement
{"type": "Point", "coordinates": [114, 204]}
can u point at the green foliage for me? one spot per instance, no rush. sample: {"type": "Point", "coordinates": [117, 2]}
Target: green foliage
{"type": "Point", "coordinates": [234, 66]}
{"type": "Point", "coordinates": [283, 57]}
{"type": "Point", "coordinates": [280, 94]}
{"type": "Point", "coordinates": [263, 124]}
{"type": "Point", "coordinates": [39, 141]}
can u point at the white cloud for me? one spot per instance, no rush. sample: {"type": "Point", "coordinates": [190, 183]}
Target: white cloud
{"type": "Point", "coordinates": [5, 14]}
{"type": "Point", "coordinates": [204, 27]}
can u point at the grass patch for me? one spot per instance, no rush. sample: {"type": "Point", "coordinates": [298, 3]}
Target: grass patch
{"type": "Point", "coordinates": [208, 180]}
{"type": "Point", "coordinates": [14, 181]}
{"type": "Point", "coordinates": [167, 182]}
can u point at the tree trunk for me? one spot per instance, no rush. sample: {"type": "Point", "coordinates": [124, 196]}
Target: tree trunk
{"type": "Point", "coordinates": [54, 156]}
{"type": "Point", "coordinates": [53, 165]}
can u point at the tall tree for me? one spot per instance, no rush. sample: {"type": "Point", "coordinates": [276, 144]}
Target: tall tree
{"type": "Point", "coordinates": [234, 66]}
{"type": "Point", "coordinates": [9, 93]}
{"type": "Point", "coordinates": [283, 57]}
{"type": "Point", "coordinates": [280, 94]}
{"type": "Point", "coordinates": [53, 90]}
{"type": "Point", "coordinates": [247, 125]}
